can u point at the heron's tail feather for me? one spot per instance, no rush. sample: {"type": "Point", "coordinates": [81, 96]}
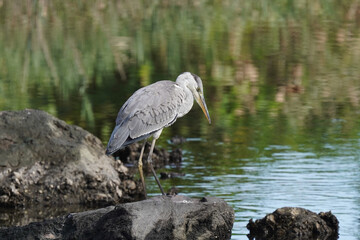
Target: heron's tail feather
{"type": "Point", "coordinates": [117, 139]}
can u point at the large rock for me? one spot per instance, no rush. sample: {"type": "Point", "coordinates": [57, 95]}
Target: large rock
{"type": "Point", "coordinates": [162, 217]}
{"type": "Point", "coordinates": [294, 223]}
{"type": "Point", "coordinates": [45, 161]}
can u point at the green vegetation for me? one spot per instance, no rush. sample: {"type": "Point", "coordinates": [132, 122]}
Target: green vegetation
{"type": "Point", "coordinates": [278, 66]}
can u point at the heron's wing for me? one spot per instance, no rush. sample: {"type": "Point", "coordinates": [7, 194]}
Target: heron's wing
{"type": "Point", "coordinates": [149, 109]}
{"type": "Point", "coordinates": [154, 107]}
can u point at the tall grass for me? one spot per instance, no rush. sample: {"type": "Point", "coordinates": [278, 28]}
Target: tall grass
{"type": "Point", "coordinates": [66, 57]}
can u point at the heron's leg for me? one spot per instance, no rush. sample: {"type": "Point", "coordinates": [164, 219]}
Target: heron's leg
{"type": "Point", "coordinates": [140, 167]}
{"type": "Point", "coordinates": [151, 166]}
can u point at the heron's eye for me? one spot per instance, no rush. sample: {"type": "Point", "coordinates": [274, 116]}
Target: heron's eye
{"type": "Point", "coordinates": [198, 89]}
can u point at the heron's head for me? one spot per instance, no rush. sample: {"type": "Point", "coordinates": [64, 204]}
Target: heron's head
{"type": "Point", "coordinates": [194, 83]}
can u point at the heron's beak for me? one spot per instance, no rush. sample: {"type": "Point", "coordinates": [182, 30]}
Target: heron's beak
{"type": "Point", "coordinates": [201, 101]}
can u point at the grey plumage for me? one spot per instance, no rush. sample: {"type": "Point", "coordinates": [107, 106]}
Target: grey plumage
{"type": "Point", "coordinates": [154, 107]}
{"type": "Point", "coordinates": [150, 109]}
{"type": "Point", "coordinates": [145, 112]}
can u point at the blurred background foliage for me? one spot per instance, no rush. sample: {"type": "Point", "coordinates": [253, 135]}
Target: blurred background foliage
{"type": "Point", "coordinates": [261, 61]}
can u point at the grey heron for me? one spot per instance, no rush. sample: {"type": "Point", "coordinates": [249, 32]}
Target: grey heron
{"type": "Point", "coordinates": [152, 108]}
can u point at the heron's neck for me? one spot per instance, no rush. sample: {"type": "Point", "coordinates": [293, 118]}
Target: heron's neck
{"type": "Point", "coordinates": [188, 101]}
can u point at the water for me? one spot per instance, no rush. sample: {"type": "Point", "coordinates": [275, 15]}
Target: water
{"type": "Point", "coordinates": [281, 81]}
{"type": "Point", "coordinates": [274, 177]}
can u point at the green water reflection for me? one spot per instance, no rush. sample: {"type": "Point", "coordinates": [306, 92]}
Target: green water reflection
{"type": "Point", "coordinates": [281, 80]}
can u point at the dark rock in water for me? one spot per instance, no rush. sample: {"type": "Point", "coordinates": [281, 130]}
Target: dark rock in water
{"type": "Point", "coordinates": [177, 140]}
{"type": "Point", "coordinates": [160, 158]}
{"type": "Point", "coordinates": [176, 155]}
{"type": "Point", "coordinates": [294, 223]}
{"type": "Point", "coordinates": [44, 161]}
{"type": "Point", "coordinates": [162, 217]}
{"type": "Point", "coordinates": [173, 191]}
{"type": "Point", "coordinates": [166, 175]}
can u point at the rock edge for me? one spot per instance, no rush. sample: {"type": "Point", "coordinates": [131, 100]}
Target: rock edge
{"type": "Point", "coordinates": [162, 217]}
